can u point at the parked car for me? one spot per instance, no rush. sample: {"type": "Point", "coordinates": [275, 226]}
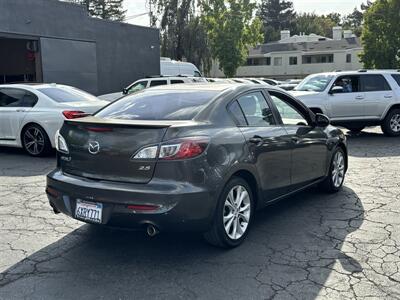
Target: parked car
{"type": "Point", "coordinates": [241, 80]}
{"type": "Point", "coordinates": [355, 99]}
{"type": "Point", "coordinates": [144, 83]}
{"type": "Point", "coordinates": [193, 158]}
{"type": "Point", "coordinates": [30, 114]}
{"type": "Point", "coordinates": [271, 81]}
{"type": "Point", "coordinates": [169, 67]}
{"type": "Point", "coordinates": [287, 86]}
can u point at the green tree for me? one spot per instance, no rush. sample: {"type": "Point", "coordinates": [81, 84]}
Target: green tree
{"type": "Point", "coordinates": [276, 15]}
{"type": "Point", "coordinates": [231, 30]}
{"type": "Point", "coordinates": [104, 9]}
{"type": "Point", "coordinates": [313, 23]}
{"type": "Point", "coordinates": [381, 35]}
{"type": "Point", "coordinates": [196, 45]}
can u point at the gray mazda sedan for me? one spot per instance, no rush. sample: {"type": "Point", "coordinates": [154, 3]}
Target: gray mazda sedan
{"type": "Point", "coordinates": [199, 157]}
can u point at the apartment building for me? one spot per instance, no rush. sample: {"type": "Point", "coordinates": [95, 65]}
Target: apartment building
{"type": "Point", "coordinates": [300, 55]}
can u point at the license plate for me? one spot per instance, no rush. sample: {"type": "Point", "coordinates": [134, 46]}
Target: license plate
{"type": "Point", "coordinates": [88, 211]}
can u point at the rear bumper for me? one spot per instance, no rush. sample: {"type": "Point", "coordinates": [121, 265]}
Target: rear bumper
{"type": "Point", "coordinates": [182, 206]}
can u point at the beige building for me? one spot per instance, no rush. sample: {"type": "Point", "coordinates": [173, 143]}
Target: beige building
{"type": "Point", "coordinates": [300, 55]}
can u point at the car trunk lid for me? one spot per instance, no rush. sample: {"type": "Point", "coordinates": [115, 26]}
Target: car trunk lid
{"type": "Point", "coordinates": [102, 149]}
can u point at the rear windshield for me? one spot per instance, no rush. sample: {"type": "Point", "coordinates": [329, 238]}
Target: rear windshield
{"type": "Point", "coordinates": [158, 105]}
{"type": "Point", "coordinates": [67, 94]}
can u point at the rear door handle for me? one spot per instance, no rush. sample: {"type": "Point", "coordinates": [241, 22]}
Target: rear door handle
{"type": "Point", "coordinates": [256, 139]}
{"type": "Point", "coordinates": [388, 96]}
{"type": "Point", "coordinates": [21, 110]}
{"type": "Point", "coordinates": [359, 97]}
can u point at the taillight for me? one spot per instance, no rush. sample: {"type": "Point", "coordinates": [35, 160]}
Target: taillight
{"type": "Point", "coordinates": [74, 114]}
{"type": "Point", "coordinates": [183, 148]}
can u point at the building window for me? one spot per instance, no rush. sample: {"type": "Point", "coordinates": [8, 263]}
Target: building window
{"type": "Point", "coordinates": [317, 59]}
{"type": "Point", "coordinates": [259, 61]}
{"type": "Point", "coordinates": [293, 60]}
{"type": "Point", "coordinates": [348, 58]}
{"type": "Point", "coordinates": [277, 61]}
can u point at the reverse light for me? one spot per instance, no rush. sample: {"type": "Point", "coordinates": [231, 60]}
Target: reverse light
{"type": "Point", "coordinates": [61, 144]}
{"type": "Point", "coordinates": [74, 114]}
{"type": "Point", "coordinates": [147, 153]}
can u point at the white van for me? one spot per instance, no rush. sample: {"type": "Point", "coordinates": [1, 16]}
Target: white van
{"type": "Point", "coordinates": [169, 67]}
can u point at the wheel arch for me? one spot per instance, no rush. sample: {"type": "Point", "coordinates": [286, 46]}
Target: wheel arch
{"type": "Point", "coordinates": [251, 179]}
{"type": "Point", "coordinates": [37, 124]}
{"type": "Point", "coordinates": [393, 106]}
{"type": "Point", "coordinates": [343, 147]}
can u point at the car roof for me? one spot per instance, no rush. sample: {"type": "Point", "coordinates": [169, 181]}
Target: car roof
{"type": "Point", "coordinates": [359, 72]}
{"type": "Point", "coordinates": [33, 85]}
{"type": "Point", "coordinates": [206, 86]}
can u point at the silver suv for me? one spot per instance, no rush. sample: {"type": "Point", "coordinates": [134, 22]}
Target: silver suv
{"type": "Point", "coordinates": [355, 99]}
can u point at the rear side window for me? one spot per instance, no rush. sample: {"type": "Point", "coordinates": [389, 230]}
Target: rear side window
{"type": "Point", "coordinates": [158, 105]}
{"type": "Point", "coordinates": [374, 83]}
{"type": "Point", "coordinates": [174, 81]}
{"type": "Point", "coordinates": [237, 113]}
{"type": "Point", "coordinates": [158, 82]}
{"type": "Point", "coordinates": [396, 77]}
{"type": "Point", "coordinates": [256, 110]}
{"type": "Point", "coordinates": [65, 94]}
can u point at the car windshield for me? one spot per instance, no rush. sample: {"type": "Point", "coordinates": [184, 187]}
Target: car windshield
{"type": "Point", "coordinates": [314, 83]}
{"type": "Point", "coordinates": [67, 94]}
{"type": "Point", "coordinates": [158, 105]}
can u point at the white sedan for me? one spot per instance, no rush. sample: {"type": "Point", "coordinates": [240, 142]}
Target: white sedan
{"type": "Point", "coordinates": [31, 114]}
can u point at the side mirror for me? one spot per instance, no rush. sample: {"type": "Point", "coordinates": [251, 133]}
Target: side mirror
{"type": "Point", "coordinates": [321, 120]}
{"type": "Point", "coordinates": [336, 90]}
{"type": "Point", "coordinates": [124, 91]}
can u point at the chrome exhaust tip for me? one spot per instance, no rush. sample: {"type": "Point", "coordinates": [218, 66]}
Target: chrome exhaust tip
{"type": "Point", "coordinates": [151, 230]}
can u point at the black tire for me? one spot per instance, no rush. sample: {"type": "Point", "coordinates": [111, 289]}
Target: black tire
{"type": "Point", "coordinates": [388, 127]}
{"type": "Point", "coordinates": [217, 235]}
{"type": "Point", "coordinates": [356, 129]}
{"type": "Point", "coordinates": [42, 141]}
{"type": "Point", "coordinates": [328, 185]}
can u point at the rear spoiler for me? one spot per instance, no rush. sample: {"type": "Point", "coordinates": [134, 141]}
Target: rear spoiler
{"type": "Point", "coordinates": [94, 121]}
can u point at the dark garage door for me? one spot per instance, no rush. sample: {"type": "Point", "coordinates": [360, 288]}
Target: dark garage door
{"type": "Point", "coordinates": [70, 62]}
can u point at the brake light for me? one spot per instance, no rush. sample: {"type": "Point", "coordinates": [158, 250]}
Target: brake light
{"type": "Point", "coordinates": [183, 148]}
{"type": "Point", "coordinates": [74, 114]}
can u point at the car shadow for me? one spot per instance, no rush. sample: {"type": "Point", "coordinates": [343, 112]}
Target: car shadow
{"type": "Point", "coordinates": [290, 250]}
{"type": "Point", "coordinates": [378, 144]}
{"type": "Point", "coordinates": [15, 162]}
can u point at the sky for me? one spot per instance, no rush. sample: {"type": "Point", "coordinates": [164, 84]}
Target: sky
{"type": "Point", "coordinates": [136, 7]}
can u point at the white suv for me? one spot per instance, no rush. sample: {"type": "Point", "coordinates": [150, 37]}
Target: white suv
{"type": "Point", "coordinates": [355, 99]}
{"type": "Point", "coordinates": [141, 84]}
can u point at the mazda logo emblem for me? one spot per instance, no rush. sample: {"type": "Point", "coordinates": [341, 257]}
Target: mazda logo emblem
{"type": "Point", "coordinates": [94, 147]}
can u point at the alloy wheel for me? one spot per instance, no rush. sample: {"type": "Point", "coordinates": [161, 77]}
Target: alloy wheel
{"type": "Point", "coordinates": [395, 123]}
{"type": "Point", "coordinates": [338, 169]}
{"type": "Point", "coordinates": [34, 141]}
{"type": "Point", "coordinates": [237, 210]}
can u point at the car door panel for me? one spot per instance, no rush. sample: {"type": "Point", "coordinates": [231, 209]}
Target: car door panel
{"type": "Point", "coordinates": [269, 150]}
{"type": "Point", "coordinates": [378, 95]}
{"type": "Point", "coordinates": [271, 153]}
{"type": "Point", "coordinates": [350, 102]}
{"type": "Point", "coordinates": [308, 144]}
{"type": "Point", "coordinates": [13, 110]}
{"type": "Point", "coordinates": [308, 155]}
